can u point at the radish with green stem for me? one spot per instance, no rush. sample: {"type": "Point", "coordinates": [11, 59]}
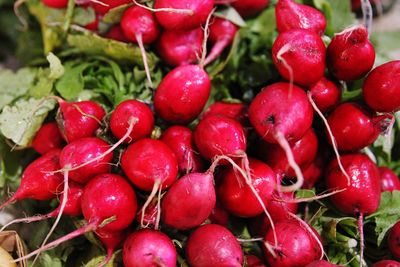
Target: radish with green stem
{"type": "Point", "coordinates": [222, 33]}
{"type": "Point", "coordinates": [39, 181]}
{"type": "Point", "coordinates": [299, 56]}
{"type": "Point", "coordinates": [281, 114]}
{"type": "Point", "coordinates": [108, 202]}
{"type": "Point", "coordinates": [362, 196]}
{"type": "Point", "coordinates": [47, 138]}
{"type": "Point", "coordinates": [350, 55]}
{"type": "Point", "coordinates": [291, 15]}
{"type": "Point", "coordinates": [180, 47]}
{"type": "Point", "coordinates": [149, 248]}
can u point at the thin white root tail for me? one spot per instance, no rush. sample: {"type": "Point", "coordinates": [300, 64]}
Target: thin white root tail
{"type": "Point", "coordinates": [361, 231]}
{"type": "Point", "coordinates": [139, 40]}
{"type": "Point", "coordinates": [172, 10]}
{"type": "Point", "coordinates": [280, 138]}
{"type": "Point", "coordinates": [333, 140]}
{"type": "Point", "coordinates": [367, 15]}
{"type": "Point", "coordinates": [156, 187]}
{"type": "Point", "coordinates": [284, 49]}
{"type": "Point", "coordinates": [205, 39]}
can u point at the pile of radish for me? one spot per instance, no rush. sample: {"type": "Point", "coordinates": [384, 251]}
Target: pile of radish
{"type": "Point", "coordinates": [167, 181]}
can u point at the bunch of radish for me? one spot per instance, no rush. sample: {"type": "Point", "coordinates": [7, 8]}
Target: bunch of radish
{"type": "Point", "coordinates": [224, 160]}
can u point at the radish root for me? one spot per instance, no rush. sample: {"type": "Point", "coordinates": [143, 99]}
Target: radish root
{"type": "Point", "coordinates": [367, 15]}
{"type": "Point", "coordinates": [166, 9]}
{"type": "Point", "coordinates": [139, 40]}
{"type": "Point", "coordinates": [156, 187]}
{"type": "Point", "coordinates": [27, 220]}
{"type": "Point", "coordinates": [206, 29]}
{"type": "Point", "coordinates": [284, 49]}
{"type": "Point", "coordinates": [333, 140]}
{"type": "Point", "coordinates": [361, 231]}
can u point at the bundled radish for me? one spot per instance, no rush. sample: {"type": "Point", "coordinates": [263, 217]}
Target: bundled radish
{"type": "Point", "coordinates": [237, 111]}
{"type": "Point", "coordinates": [248, 8]}
{"type": "Point", "coordinates": [389, 180]}
{"type": "Point", "coordinates": [47, 138]}
{"type": "Point", "coordinates": [326, 94]}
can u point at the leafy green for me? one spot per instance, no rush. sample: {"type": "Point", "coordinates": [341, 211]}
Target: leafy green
{"type": "Point", "coordinates": [114, 15]}
{"type": "Point", "coordinates": [15, 84]}
{"type": "Point", "coordinates": [71, 84]}
{"type": "Point", "coordinates": [56, 68]}
{"type": "Point", "coordinates": [21, 121]}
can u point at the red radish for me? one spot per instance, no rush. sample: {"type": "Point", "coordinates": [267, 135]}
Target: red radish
{"type": "Point", "coordinates": [140, 26]}
{"type": "Point", "coordinates": [222, 33]}
{"type": "Point", "coordinates": [350, 55]}
{"type": "Point", "coordinates": [213, 245]}
{"type": "Point", "coordinates": [326, 94]}
{"type": "Point", "coordinates": [321, 263]}
{"type": "Point", "coordinates": [389, 180]}
{"type": "Point", "coordinates": [111, 241]}
{"type": "Point", "coordinates": [116, 33]}
{"type": "Point", "coordinates": [108, 202]}
{"type": "Point", "coordinates": [180, 141]}
{"type": "Point", "coordinates": [362, 196]}
{"type": "Point", "coordinates": [381, 88]}
{"type": "Point", "coordinates": [237, 111]}
{"type": "Point", "coordinates": [386, 263]}
{"type": "Point", "coordinates": [219, 215]}
{"type": "Point", "coordinates": [39, 181]}
{"type": "Point", "coordinates": [348, 120]}
{"type": "Point", "coordinates": [79, 119]}
{"type": "Point", "coordinates": [394, 240]}
{"type": "Point", "coordinates": [249, 8]}
{"type": "Point", "coordinates": [296, 246]}
{"type": "Point", "coordinates": [281, 113]}
{"type": "Point", "coordinates": [304, 151]}
{"type": "Point", "coordinates": [253, 261]}
{"type": "Point", "coordinates": [76, 158]}
{"type": "Point", "coordinates": [291, 15]}
{"type": "Point", "coordinates": [55, 3]}
{"type": "Point", "coordinates": [313, 173]}
{"type": "Point", "coordinates": [299, 56]}
{"type": "Point", "coordinates": [182, 94]}
{"type": "Point", "coordinates": [237, 197]}
{"type": "Point", "coordinates": [47, 138]}
{"type": "Point", "coordinates": [147, 161]}
{"type": "Point", "coordinates": [189, 201]}
{"type": "Point", "coordinates": [219, 135]}
{"type": "Point", "coordinates": [149, 216]}
{"type": "Point", "coordinates": [103, 6]}
{"type": "Point", "coordinates": [180, 47]}
{"type": "Point", "coordinates": [132, 110]}
{"type": "Point", "coordinates": [194, 13]}
{"type": "Point", "coordinates": [148, 248]}
{"type": "Point", "coordinates": [72, 207]}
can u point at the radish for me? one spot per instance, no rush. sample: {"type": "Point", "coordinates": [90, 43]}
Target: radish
{"type": "Point", "coordinates": [219, 135]}
{"type": "Point", "coordinates": [304, 151]}
{"type": "Point", "coordinates": [47, 138]}
{"type": "Point", "coordinates": [313, 172]}
{"type": "Point", "coordinates": [362, 196]}
{"type": "Point", "coordinates": [253, 261]}
{"type": "Point", "coordinates": [393, 240]}
{"type": "Point", "coordinates": [189, 201]}
{"type": "Point", "coordinates": [281, 113]}
{"type": "Point", "coordinates": [350, 55]}
{"type": "Point", "coordinates": [77, 158]}
{"type": "Point", "coordinates": [389, 180]}
{"type": "Point", "coordinates": [196, 13]}
{"type": "Point", "coordinates": [77, 120]}
{"type": "Point", "coordinates": [140, 26]}
{"type": "Point", "coordinates": [299, 56]}
{"type": "Point", "coordinates": [249, 8]}
{"type": "Point", "coordinates": [386, 263]}
{"type": "Point", "coordinates": [149, 216]}
{"type": "Point", "coordinates": [132, 110]}
{"type": "Point", "coordinates": [222, 33]}
{"type": "Point", "coordinates": [237, 111]}
{"type": "Point", "coordinates": [381, 90]}
{"type": "Point", "coordinates": [291, 15]}
{"type": "Point", "coordinates": [116, 33]}
{"type": "Point", "coordinates": [237, 197]}
{"type": "Point", "coordinates": [326, 94]}
{"type": "Point", "coordinates": [180, 141]}
{"type": "Point", "coordinates": [219, 215]}
{"type": "Point", "coordinates": [39, 181]}
{"type": "Point", "coordinates": [111, 240]}
{"type": "Point", "coordinates": [108, 202]}
{"type": "Point", "coordinates": [180, 47]}
{"type": "Point", "coordinates": [321, 263]}
{"type": "Point", "coordinates": [149, 248]}
{"type": "Point", "coordinates": [182, 94]}
{"type": "Point", "coordinates": [296, 245]}
{"type": "Point", "coordinates": [55, 3]}
{"type": "Point", "coordinates": [348, 120]}
{"type": "Point", "coordinates": [103, 6]}
{"type": "Point", "coordinates": [213, 245]}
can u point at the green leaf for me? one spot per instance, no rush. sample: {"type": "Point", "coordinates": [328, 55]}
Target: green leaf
{"type": "Point", "coordinates": [71, 84]}
{"type": "Point", "coordinates": [92, 44]}
{"type": "Point", "coordinates": [83, 16]}
{"type": "Point", "coordinates": [338, 15]}
{"type": "Point", "coordinates": [99, 259]}
{"type": "Point", "coordinates": [387, 214]}
{"type": "Point", "coordinates": [232, 15]}
{"type": "Point", "coordinates": [56, 68]}
{"type": "Point", "coordinates": [47, 261]}
{"type": "Point", "coordinates": [21, 121]}
{"type": "Point", "coordinates": [114, 15]}
{"type": "Point", "coordinates": [43, 86]}
{"type": "Point", "coordinates": [14, 84]}
{"type": "Point", "coordinates": [386, 46]}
